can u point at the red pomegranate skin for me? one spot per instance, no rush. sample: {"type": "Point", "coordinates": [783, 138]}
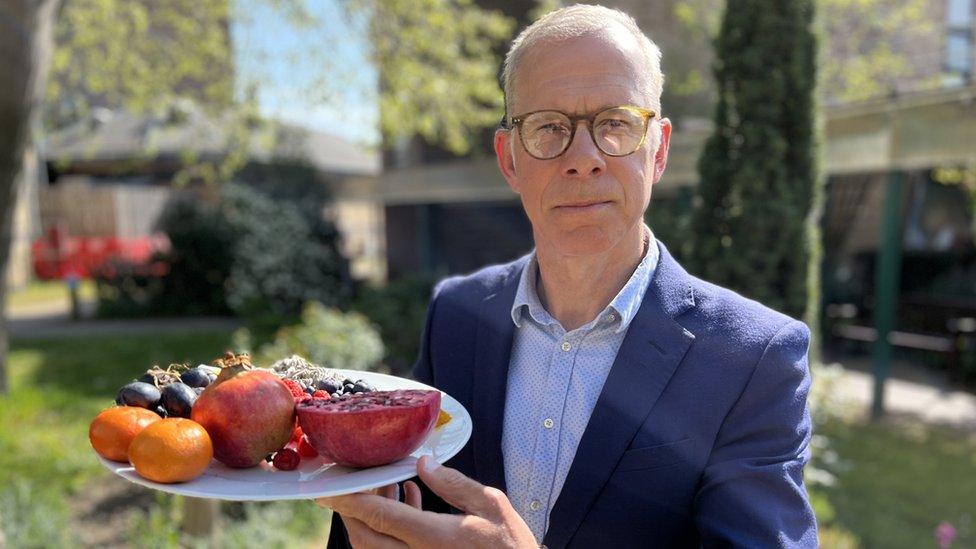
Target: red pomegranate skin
{"type": "Point", "coordinates": [370, 429]}
{"type": "Point", "coordinates": [248, 415]}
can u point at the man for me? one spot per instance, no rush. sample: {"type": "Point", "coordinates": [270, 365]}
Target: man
{"type": "Point", "coordinates": [617, 401]}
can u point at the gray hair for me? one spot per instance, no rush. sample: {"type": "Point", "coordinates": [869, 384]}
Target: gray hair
{"type": "Point", "coordinates": [576, 21]}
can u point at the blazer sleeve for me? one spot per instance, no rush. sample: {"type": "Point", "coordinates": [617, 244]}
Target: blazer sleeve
{"type": "Point", "coordinates": [423, 368]}
{"type": "Point", "coordinates": [752, 492]}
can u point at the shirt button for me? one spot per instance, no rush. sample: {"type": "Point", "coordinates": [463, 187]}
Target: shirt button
{"type": "Point", "coordinates": [548, 423]}
{"type": "Point", "coordinates": [611, 317]}
{"type": "Point", "coordinates": [535, 505]}
{"type": "Point", "coordinates": [566, 346]}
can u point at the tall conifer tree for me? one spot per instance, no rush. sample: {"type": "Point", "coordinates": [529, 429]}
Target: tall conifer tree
{"type": "Point", "coordinates": [758, 170]}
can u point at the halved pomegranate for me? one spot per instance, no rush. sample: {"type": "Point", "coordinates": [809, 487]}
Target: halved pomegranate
{"type": "Point", "coordinates": [369, 429]}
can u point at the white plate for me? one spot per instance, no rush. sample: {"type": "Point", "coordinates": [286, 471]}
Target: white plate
{"type": "Point", "coordinates": [313, 478]}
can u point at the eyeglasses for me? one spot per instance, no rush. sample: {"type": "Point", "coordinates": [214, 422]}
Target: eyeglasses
{"type": "Point", "coordinates": [617, 131]}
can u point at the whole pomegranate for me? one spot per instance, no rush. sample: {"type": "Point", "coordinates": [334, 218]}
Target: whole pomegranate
{"type": "Point", "coordinates": [369, 429]}
{"type": "Point", "coordinates": [248, 413]}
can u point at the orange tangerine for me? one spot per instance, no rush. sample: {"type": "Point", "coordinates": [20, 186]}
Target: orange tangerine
{"type": "Point", "coordinates": [171, 450]}
{"type": "Point", "coordinates": [112, 430]}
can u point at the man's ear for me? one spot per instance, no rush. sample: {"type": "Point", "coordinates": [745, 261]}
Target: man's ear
{"type": "Point", "coordinates": [506, 157]}
{"type": "Point", "coordinates": [661, 156]}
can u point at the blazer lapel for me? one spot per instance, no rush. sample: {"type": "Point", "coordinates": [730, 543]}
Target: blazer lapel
{"type": "Point", "coordinates": [651, 351]}
{"type": "Point", "coordinates": [493, 349]}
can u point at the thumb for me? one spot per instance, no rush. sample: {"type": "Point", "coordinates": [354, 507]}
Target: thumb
{"type": "Point", "coordinates": [464, 493]}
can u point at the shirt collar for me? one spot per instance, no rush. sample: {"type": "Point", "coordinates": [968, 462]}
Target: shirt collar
{"type": "Point", "coordinates": [625, 304]}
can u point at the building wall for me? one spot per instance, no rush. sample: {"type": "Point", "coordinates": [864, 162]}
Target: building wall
{"type": "Point", "coordinates": [454, 238]}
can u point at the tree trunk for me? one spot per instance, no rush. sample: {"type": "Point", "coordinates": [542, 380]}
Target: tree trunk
{"type": "Point", "coordinates": [26, 44]}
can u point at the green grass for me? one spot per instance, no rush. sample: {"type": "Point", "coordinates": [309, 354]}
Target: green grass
{"type": "Point", "coordinates": [896, 482]}
{"type": "Point", "coordinates": [46, 463]}
{"type": "Point", "coordinates": [40, 292]}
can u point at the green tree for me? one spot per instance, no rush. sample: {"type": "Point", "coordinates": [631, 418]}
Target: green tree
{"type": "Point", "coordinates": [26, 43]}
{"type": "Point", "coordinates": [758, 170]}
{"type": "Point", "coordinates": [438, 68]}
{"type": "Point", "coordinates": [870, 46]}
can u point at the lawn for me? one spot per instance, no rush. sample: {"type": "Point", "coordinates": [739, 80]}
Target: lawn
{"type": "Point", "coordinates": [51, 486]}
{"type": "Point", "coordinates": [43, 292]}
{"type": "Point", "coordinates": [896, 481]}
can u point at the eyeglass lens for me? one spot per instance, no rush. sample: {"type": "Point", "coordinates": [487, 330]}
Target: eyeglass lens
{"type": "Point", "coordinates": [616, 132]}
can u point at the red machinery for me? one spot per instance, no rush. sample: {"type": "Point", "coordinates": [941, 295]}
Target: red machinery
{"type": "Point", "coordinates": [57, 256]}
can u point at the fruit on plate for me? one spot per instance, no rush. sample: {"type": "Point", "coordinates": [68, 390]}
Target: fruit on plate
{"type": "Point", "coordinates": [177, 399]}
{"type": "Point", "coordinates": [139, 393]}
{"type": "Point", "coordinates": [248, 412]}
{"type": "Point", "coordinates": [369, 429]}
{"type": "Point", "coordinates": [171, 450]}
{"type": "Point", "coordinates": [112, 430]}
{"type": "Point", "coordinates": [442, 419]}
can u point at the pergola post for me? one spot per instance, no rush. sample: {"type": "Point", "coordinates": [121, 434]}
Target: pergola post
{"type": "Point", "coordinates": [887, 273]}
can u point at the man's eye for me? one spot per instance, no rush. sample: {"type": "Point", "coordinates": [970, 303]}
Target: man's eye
{"type": "Point", "coordinates": [614, 124]}
{"type": "Point", "coordinates": [553, 129]}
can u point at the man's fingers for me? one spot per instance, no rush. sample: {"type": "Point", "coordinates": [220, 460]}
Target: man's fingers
{"type": "Point", "coordinates": [465, 494]}
{"type": "Point", "coordinates": [363, 537]}
{"type": "Point", "coordinates": [391, 491]}
{"type": "Point", "coordinates": [411, 495]}
{"type": "Point", "coordinates": [383, 515]}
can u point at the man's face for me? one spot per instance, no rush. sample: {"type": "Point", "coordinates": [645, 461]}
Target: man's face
{"type": "Point", "coordinates": [583, 202]}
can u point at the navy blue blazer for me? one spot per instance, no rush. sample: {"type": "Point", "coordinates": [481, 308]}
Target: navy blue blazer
{"type": "Point", "coordinates": [699, 436]}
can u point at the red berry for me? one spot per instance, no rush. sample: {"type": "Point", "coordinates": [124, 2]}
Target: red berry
{"type": "Point", "coordinates": [320, 394]}
{"type": "Point", "coordinates": [286, 459]}
{"type": "Point", "coordinates": [295, 388]}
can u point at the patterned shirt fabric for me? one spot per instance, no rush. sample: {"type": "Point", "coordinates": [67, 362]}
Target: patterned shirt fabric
{"type": "Point", "coordinates": [554, 380]}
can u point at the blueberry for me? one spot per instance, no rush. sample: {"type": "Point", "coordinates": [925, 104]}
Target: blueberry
{"type": "Point", "coordinates": [178, 399]}
{"type": "Point", "coordinates": [139, 393]}
{"type": "Point", "coordinates": [198, 390]}
{"type": "Point", "coordinates": [195, 377]}
{"type": "Point", "coordinates": [147, 378]}
{"type": "Point", "coordinates": [310, 390]}
{"type": "Point", "coordinates": [362, 387]}
{"type": "Point", "coordinates": [160, 411]}
{"type": "Point", "coordinates": [329, 385]}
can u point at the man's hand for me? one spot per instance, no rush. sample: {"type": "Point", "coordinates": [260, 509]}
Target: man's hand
{"type": "Point", "coordinates": [380, 521]}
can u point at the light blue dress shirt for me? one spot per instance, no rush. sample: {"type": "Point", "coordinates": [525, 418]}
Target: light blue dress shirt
{"type": "Point", "coordinates": [554, 380]}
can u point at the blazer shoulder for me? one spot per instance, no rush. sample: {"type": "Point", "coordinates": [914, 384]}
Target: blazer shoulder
{"type": "Point", "coordinates": [479, 284]}
{"type": "Point", "coordinates": [739, 321]}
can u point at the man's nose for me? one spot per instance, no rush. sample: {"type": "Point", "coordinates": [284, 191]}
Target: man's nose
{"type": "Point", "coordinates": [583, 158]}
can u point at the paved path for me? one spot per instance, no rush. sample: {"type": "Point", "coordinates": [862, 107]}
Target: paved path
{"type": "Point", "coordinates": [63, 326]}
{"type": "Point", "coordinates": [52, 319]}
{"type": "Point", "coordinates": [911, 391]}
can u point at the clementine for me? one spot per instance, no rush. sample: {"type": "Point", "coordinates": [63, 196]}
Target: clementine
{"type": "Point", "coordinates": [171, 450]}
{"type": "Point", "coordinates": [114, 428]}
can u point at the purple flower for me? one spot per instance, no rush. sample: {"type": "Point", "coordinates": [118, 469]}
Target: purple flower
{"type": "Point", "coordinates": [945, 534]}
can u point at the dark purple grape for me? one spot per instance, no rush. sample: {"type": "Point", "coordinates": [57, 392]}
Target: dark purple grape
{"type": "Point", "coordinates": [139, 393]}
{"type": "Point", "coordinates": [195, 377]}
{"type": "Point", "coordinates": [178, 399]}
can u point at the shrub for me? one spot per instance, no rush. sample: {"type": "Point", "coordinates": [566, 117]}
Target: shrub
{"type": "Point", "coordinates": [399, 310]}
{"type": "Point", "coordinates": [200, 257]}
{"type": "Point", "coordinates": [247, 253]}
{"type": "Point", "coordinates": [325, 336]}
{"type": "Point", "coordinates": [278, 262]}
